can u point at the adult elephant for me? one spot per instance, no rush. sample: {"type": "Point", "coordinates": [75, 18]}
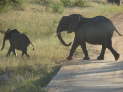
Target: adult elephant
{"type": "Point", "coordinates": [96, 30]}
{"type": "Point", "coordinates": [17, 40]}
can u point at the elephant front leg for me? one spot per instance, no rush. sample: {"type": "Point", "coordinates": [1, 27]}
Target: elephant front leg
{"type": "Point", "coordinates": [73, 48]}
{"type": "Point", "coordinates": [14, 53]}
{"type": "Point", "coordinates": [9, 52]}
{"type": "Point", "coordinates": [101, 56]}
{"type": "Point", "coordinates": [83, 46]}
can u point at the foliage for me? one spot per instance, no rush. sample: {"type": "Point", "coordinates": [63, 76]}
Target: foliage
{"type": "Point", "coordinates": [57, 7]}
{"type": "Point", "coordinates": [73, 3]}
{"type": "Point", "coordinates": [6, 4]}
{"type": "Point", "coordinates": [80, 3]}
{"type": "Point", "coordinates": [67, 3]}
{"type": "Point", "coordinates": [11, 2]}
{"type": "Point", "coordinates": [45, 2]}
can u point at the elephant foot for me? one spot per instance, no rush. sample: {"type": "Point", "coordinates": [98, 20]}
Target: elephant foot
{"type": "Point", "coordinates": [86, 58]}
{"type": "Point", "coordinates": [69, 58]}
{"type": "Point", "coordinates": [100, 58]}
{"type": "Point", "coordinates": [117, 56]}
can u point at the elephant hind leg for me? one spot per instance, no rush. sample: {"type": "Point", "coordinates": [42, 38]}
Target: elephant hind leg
{"type": "Point", "coordinates": [113, 51]}
{"type": "Point", "coordinates": [25, 52]}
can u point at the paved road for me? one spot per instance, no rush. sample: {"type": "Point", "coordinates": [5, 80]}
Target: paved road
{"type": "Point", "coordinates": [89, 76]}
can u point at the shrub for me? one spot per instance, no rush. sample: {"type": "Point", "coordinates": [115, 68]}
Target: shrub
{"type": "Point", "coordinates": [10, 2]}
{"type": "Point", "coordinates": [45, 2]}
{"type": "Point", "coordinates": [67, 3]}
{"type": "Point", "coordinates": [80, 3]}
{"type": "Point", "coordinates": [6, 4]}
{"type": "Point", "coordinates": [72, 3]}
{"type": "Point", "coordinates": [57, 7]}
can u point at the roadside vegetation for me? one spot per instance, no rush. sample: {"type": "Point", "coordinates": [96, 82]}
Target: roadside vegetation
{"type": "Point", "coordinates": [39, 19]}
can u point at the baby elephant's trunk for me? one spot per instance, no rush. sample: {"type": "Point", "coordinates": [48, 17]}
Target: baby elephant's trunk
{"type": "Point", "coordinates": [3, 44]}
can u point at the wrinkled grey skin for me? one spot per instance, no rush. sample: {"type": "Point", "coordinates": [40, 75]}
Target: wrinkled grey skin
{"type": "Point", "coordinates": [17, 40]}
{"type": "Point", "coordinates": [114, 2]}
{"type": "Point", "coordinates": [96, 30]}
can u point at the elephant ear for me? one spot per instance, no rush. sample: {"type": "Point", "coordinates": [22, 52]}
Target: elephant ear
{"type": "Point", "coordinates": [75, 19]}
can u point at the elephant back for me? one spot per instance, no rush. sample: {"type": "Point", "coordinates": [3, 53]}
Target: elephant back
{"type": "Point", "coordinates": [99, 22]}
{"type": "Point", "coordinates": [25, 38]}
{"type": "Point", "coordinates": [20, 41]}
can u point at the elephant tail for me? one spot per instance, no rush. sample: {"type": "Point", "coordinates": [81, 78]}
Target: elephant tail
{"type": "Point", "coordinates": [118, 32]}
{"type": "Point", "coordinates": [32, 46]}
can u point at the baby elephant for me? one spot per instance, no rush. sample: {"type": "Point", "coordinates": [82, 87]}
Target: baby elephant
{"type": "Point", "coordinates": [17, 40]}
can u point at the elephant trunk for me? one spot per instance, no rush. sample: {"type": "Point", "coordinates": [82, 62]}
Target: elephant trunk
{"type": "Point", "coordinates": [3, 44]}
{"type": "Point", "coordinates": [3, 32]}
{"type": "Point", "coordinates": [61, 40]}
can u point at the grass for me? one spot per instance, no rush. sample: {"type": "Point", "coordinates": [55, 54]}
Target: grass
{"type": "Point", "coordinates": [32, 74]}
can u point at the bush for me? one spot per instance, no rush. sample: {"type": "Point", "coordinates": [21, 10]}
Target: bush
{"type": "Point", "coordinates": [6, 4]}
{"type": "Point", "coordinates": [10, 2]}
{"type": "Point", "coordinates": [51, 5]}
{"type": "Point", "coordinates": [72, 3]}
{"type": "Point", "coordinates": [57, 7]}
{"type": "Point", "coordinates": [45, 2]}
{"type": "Point", "coordinates": [80, 3]}
{"type": "Point", "coordinates": [67, 3]}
